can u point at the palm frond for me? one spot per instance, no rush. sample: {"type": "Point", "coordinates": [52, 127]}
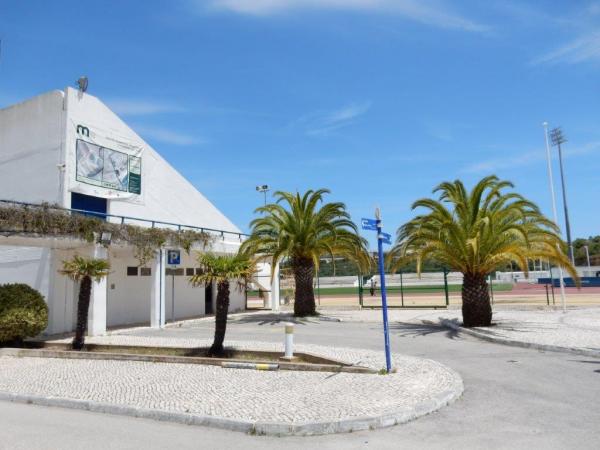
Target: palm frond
{"type": "Point", "coordinates": [478, 231]}
{"type": "Point", "coordinates": [304, 226]}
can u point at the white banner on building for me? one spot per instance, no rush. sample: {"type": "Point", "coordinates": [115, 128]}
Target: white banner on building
{"type": "Point", "coordinates": [108, 168]}
{"type": "Point", "coordinates": [104, 161]}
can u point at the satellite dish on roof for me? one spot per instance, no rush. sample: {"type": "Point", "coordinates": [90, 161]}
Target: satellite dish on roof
{"type": "Point", "coordinates": [82, 82]}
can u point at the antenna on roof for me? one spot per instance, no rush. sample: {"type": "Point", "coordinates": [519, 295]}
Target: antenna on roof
{"type": "Point", "coordinates": [82, 82]}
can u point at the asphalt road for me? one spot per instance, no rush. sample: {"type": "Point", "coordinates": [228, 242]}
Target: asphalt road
{"type": "Point", "coordinates": [514, 398]}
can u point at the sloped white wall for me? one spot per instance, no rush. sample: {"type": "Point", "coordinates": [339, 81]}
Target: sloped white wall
{"type": "Point", "coordinates": [31, 135]}
{"type": "Point", "coordinates": [167, 196]}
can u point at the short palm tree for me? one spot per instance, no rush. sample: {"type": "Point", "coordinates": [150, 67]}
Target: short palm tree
{"type": "Point", "coordinates": [303, 228]}
{"type": "Point", "coordinates": [476, 233]}
{"type": "Point", "coordinates": [84, 270]}
{"type": "Point", "coordinates": [222, 270]}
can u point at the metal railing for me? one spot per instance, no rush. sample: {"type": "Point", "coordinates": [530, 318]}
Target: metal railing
{"type": "Point", "coordinates": [123, 219]}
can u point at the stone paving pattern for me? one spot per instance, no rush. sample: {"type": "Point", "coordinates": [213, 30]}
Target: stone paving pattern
{"type": "Point", "coordinates": [287, 397]}
{"type": "Point", "coordinates": [577, 328]}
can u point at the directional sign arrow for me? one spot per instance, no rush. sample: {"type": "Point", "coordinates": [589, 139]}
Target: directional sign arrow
{"type": "Point", "coordinates": [368, 224]}
{"type": "Point", "coordinates": [386, 238]}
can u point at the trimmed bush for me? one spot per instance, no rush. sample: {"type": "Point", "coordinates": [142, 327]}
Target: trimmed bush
{"type": "Point", "coordinates": [23, 312]}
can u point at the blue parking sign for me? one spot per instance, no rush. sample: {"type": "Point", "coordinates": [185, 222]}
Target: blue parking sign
{"type": "Point", "coordinates": [173, 257]}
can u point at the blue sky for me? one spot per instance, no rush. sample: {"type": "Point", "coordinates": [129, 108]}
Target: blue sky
{"type": "Point", "coordinates": [377, 100]}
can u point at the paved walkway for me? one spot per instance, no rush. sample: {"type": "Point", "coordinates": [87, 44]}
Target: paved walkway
{"type": "Point", "coordinates": [577, 328]}
{"type": "Point", "coordinates": [514, 398]}
{"type": "Point", "coordinates": [269, 399]}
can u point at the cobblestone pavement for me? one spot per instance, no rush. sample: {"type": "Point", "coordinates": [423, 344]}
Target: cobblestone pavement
{"type": "Point", "coordinates": [288, 397]}
{"type": "Point", "coordinates": [577, 328]}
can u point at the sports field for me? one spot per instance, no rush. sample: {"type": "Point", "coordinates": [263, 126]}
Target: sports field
{"type": "Point", "coordinates": [421, 289]}
{"type": "Point", "coordinates": [433, 296]}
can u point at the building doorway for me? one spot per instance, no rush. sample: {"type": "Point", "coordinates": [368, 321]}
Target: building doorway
{"type": "Point", "coordinates": [96, 206]}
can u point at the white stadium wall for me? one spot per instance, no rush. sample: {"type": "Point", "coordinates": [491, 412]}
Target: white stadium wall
{"type": "Point", "coordinates": [38, 149]}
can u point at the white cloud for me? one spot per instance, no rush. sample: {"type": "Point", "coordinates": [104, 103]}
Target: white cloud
{"type": "Point", "coordinates": [323, 123]}
{"type": "Point", "coordinates": [347, 113]}
{"type": "Point", "coordinates": [495, 164]}
{"type": "Point", "coordinates": [527, 158]}
{"type": "Point", "coordinates": [430, 12]}
{"type": "Point", "coordinates": [138, 107]}
{"type": "Point", "coordinates": [168, 136]}
{"type": "Point", "coordinates": [585, 48]}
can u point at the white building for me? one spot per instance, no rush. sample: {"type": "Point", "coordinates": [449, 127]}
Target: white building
{"type": "Point", "coordinates": [68, 148]}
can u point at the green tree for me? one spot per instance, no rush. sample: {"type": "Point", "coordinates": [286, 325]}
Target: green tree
{"type": "Point", "coordinates": [84, 270]}
{"type": "Point", "coordinates": [222, 270]}
{"type": "Point", "coordinates": [475, 233]}
{"type": "Point", "coordinates": [303, 228]}
{"type": "Point", "coordinates": [593, 245]}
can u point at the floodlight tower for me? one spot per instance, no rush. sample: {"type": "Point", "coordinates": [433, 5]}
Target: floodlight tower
{"type": "Point", "coordinates": [587, 255]}
{"type": "Point", "coordinates": [555, 216]}
{"type": "Point", "coordinates": [558, 138]}
{"type": "Point", "coordinates": [264, 188]}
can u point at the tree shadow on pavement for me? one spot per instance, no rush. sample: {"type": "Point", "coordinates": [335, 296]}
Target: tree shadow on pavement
{"type": "Point", "coordinates": [426, 327]}
{"type": "Point", "coordinates": [585, 361]}
{"type": "Point", "coordinates": [275, 319]}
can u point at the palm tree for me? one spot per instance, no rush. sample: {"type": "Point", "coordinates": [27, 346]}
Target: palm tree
{"type": "Point", "coordinates": [84, 270]}
{"type": "Point", "coordinates": [303, 232]}
{"type": "Point", "coordinates": [222, 269]}
{"type": "Point", "coordinates": [476, 233]}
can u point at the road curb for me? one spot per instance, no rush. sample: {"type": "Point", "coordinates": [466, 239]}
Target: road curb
{"type": "Point", "coordinates": [515, 343]}
{"type": "Point", "coordinates": [400, 416]}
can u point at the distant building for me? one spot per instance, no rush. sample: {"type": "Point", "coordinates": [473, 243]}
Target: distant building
{"type": "Point", "coordinates": [68, 148]}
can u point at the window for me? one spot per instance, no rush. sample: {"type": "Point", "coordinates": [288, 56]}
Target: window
{"type": "Point", "coordinates": [198, 271]}
{"type": "Point", "coordinates": [145, 271]}
{"type": "Point", "coordinates": [189, 271]}
{"type": "Point", "coordinates": [132, 271]}
{"type": "Point", "coordinates": [174, 272]}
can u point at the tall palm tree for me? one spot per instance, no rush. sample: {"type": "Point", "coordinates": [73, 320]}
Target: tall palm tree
{"type": "Point", "coordinates": [221, 270]}
{"type": "Point", "coordinates": [476, 233]}
{"type": "Point", "coordinates": [84, 270]}
{"type": "Point", "coordinates": [303, 228]}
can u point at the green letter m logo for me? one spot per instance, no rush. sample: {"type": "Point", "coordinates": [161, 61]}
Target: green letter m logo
{"type": "Point", "coordinates": [84, 131]}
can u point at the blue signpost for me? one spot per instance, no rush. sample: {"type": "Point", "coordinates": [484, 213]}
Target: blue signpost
{"type": "Point", "coordinates": [375, 225]}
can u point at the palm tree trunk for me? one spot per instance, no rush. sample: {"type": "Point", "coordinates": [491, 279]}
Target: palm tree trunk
{"type": "Point", "coordinates": [304, 297]}
{"type": "Point", "coordinates": [220, 318]}
{"type": "Point", "coordinates": [83, 306]}
{"type": "Point", "coordinates": [476, 307]}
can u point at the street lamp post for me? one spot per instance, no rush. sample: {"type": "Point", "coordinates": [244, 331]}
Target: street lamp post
{"type": "Point", "coordinates": [264, 188]}
{"type": "Point", "coordinates": [557, 139]}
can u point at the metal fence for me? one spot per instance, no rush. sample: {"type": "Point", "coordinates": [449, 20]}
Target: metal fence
{"type": "Point", "coordinates": [404, 292]}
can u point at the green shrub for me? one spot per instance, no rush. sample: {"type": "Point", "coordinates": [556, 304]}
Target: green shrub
{"type": "Point", "coordinates": [23, 312]}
